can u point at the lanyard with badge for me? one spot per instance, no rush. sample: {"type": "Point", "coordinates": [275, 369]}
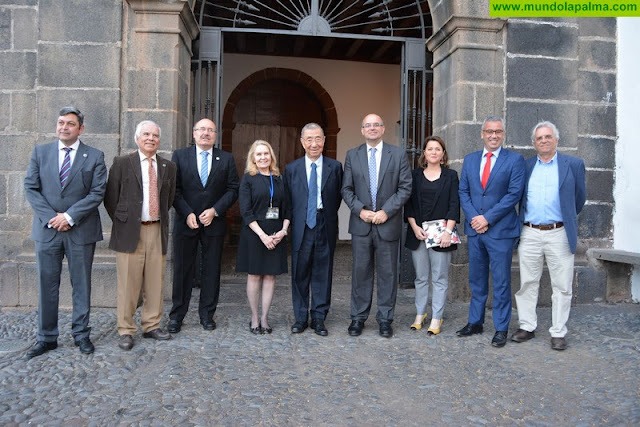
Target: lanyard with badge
{"type": "Point", "coordinates": [272, 213]}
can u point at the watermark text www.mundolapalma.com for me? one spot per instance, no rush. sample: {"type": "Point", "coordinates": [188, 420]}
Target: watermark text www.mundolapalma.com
{"type": "Point", "coordinates": [564, 8]}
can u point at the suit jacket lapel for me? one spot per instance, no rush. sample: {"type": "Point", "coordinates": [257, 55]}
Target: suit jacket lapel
{"type": "Point", "coordinates": [502, 158]}
{"type": "Point", "coordinates": [563, 168]}
{"type": "Point", "coordinates": [192, 164]}
{"type": "Point", "coordinates": [385, 159]}
{"type": "Point", "coordinates": [136, 167]}
{"type": "Point", "coordinates": [325, 173]}
{"type": "Point", "coordinates": [78, 161]}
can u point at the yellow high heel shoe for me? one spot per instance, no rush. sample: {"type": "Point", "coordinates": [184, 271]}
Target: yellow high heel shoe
{"type": "Point", "coordinates": [434, 331]}
{"type": "Point", "coordinates": [418, 326]}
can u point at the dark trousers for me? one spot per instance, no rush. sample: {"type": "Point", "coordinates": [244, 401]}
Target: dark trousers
{"type": "Point", "coordinates": [312, 269]}
{"type": "Point", "coordinates": [496, 254]}
{"type": "Point", "coordinates": [184, 267]}
{"type": "Point", "coordinates": [49, 256]}
{"type": "Point", "coordinates": [372, 253]}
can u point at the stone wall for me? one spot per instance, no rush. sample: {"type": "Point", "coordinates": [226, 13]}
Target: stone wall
{"type": "Point", "coordinates": [52, 54]}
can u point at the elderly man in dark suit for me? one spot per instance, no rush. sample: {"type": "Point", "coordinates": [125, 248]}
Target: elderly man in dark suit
{"type": "Point", "coordinates": [206, 186]}
{"type": "Point", "coordinates": [376, 185]}
{"type": "Point", "coordinates": [313, 183]}
{"type": "Point", "coordinates": [491, 185]}
{"type": "Point", "coordinates": [554, 194]}
{"type": "Point", "coordinates": [65, 184]}
{"type": "Point", "coordinates": [140, 191]}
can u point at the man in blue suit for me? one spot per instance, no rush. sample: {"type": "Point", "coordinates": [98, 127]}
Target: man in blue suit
{"type": "Point", "coordinates": [491, 186]}
{"type": "Point", "coordinates": [313, 183]}
{"type": "Point", "coordinates": [554, 195]}
{"type": "Point", "coordinates": [65, 184]}
{"type": "Point", "coordinates": [206, 187]}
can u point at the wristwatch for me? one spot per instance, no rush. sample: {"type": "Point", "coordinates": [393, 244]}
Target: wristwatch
{"type": "Point", "coordinates": [449, 231]}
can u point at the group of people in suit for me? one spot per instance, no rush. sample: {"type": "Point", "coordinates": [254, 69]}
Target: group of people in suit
{"type": "Point", "coordinates": [67, 180]}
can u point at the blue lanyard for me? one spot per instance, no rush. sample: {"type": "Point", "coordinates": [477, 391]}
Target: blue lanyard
{"type": "Point", "coordinates": [271, 191]}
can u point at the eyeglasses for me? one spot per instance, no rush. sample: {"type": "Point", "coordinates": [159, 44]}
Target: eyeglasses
{"type": "Point", "coordinates": [372, 125]}
{"type": "Point", "coordinates": [203, 129]}
{"type": "Point", "coordinates": [493, 132]}
{"type": "Point", "coordinates": [317, 139]}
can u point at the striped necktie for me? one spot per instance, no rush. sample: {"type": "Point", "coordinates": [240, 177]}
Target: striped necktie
{"type": "Point", "coordinates": [66, 166]}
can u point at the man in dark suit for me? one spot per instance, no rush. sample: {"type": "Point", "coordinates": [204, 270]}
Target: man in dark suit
{"type": "Point", "coordinates": [65, 184]}
{"type": "Point", "coordinates": [140, 191]}
{"type": "Point", "coordinates": [313, 183]}
{"type": "Point", "coordinates": [376, 185]}
{"type": "Point", "coordinates": [554, 194]}
{"type": "Point", "coordinates": [206, 186]}
{"type": "Point", "coordinates": [491, 185]}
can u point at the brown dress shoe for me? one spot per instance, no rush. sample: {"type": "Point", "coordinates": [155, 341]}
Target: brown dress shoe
{"type": "Point", "coordinates": [157, 334]}
{"type": "Point", "coordinates": [126, 342]}
{"type": "Point", "coordinates": [558, 343]}
{"type": "Point", "coordinates": [521, 335]}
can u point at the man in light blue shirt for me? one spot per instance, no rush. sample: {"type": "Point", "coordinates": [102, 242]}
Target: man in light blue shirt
{"type": "Point", "coordinates": [553, 197]}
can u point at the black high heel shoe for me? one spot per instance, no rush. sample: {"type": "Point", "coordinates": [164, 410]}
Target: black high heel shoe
{"type": "Point", "coordinates": [255, 331]}
{"type": "Point", "coordinates": [266, 330]}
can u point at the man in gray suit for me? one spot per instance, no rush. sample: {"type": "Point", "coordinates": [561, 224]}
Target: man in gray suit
{"type": "Point", "coordinates": [65, 184]}
{"type": "Point", "coordinates": [375, 187]}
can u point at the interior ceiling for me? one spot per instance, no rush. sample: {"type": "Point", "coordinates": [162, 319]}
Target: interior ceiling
{"type": "Point", "coordinates": [283, 21]}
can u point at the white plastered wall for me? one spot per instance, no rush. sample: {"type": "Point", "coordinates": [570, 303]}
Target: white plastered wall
{"type": "Point", "coordinates": [626, 235]}
{"type": "Point", "coordinates": [356, 89]}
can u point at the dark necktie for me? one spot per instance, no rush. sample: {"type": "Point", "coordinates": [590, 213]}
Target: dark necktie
{"type": "Point", "coordinates": [486, 171]}
{"type": "Point", "coordinates": [66, 167]}
{"type": "Point", "coordinates": [312, 203]}
{"type": "Point", "coordinates": [373, 178]}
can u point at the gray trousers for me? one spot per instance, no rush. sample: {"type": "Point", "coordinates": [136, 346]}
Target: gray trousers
{"type": "Point", "coordinates": [427, 261]}
{"type": "Point", "coordinates": [49, 256]}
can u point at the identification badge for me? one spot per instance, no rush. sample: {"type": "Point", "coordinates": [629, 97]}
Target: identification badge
{"type": "Point", "coordinates": [273, 213]}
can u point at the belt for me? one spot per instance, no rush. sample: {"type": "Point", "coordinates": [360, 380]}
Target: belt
{"type": "Point", "coordinates": [545, 227]}
{"type": "Point", "coordinates": [149, 222]}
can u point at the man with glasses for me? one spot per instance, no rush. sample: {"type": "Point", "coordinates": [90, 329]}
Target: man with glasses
{"type": "Point", "coordinates": [376, 185]}
{"type": "Point", "coordinates": [491, 185]}
{"type": "Point", "coordinates": [206, 186]}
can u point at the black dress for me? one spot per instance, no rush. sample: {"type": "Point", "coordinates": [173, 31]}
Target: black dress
{"type": "Point", "coordinates": [253, 199]}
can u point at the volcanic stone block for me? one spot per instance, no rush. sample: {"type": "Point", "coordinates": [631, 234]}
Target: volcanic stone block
{"type": "Point", "coordinates": [595, 221]}
{"type": "Point", "coordinates": [5, 114]}
{"type": "Point", "coordinates": [541, 78]}
{"type": "Point", "coordinates": [3, 194]}
{"type": "Point", "coordinates": [597, 55]}
{"type": "Point", "coordinates": [523, 116]}
{"type": "Point", "coordinates": [79, 66]}
{"type": "Point", "coordinates": [597, 87]}
{"type": "Point", "coordinates": [600, 185]}
{"type": "Point", "coordinates": [23, 117]}
{"type": "Point", "coordinates": [597, 152]}
{"type": "Point", "coordinates": [5, 29]}
{"type": "Point", "coordinates": [591, 285]}
{"type": "Point", "coordinates": [18, 70]}
{"type": "Point", "coordinates": [598, 27]}
{"type": "Point", "coordinates": [544, 39]}
{"type": "Point", "coordinates": [16, 152]}
{"type": "Point", "coordinates": [141, 90]}
{"type": "Point", "coordinates": [8, 285]}
{"type": "Point", "coordinates": [80, 21]}
{"type": "Point", "coordinates": [597, 120]}
{"type": "Point", "coordinates": [25, 19]}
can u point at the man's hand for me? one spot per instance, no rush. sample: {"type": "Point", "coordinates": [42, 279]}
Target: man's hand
{"type": "Point", "coordinates": [192, 222]}
{"type": "Point", "coordinates": [207, 216]}
{"type": "Point", "coordinates": [59, 222]}
{"type": "Point", "coordinates": [380, 217]}
{"type": "Point", "coordinates": [478, 223]}
{"type": "Point", "coordinates": [367, 215]}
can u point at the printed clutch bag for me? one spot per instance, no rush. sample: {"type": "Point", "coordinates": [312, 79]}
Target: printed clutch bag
{"type": "Point", "coordinates": [434, 230]}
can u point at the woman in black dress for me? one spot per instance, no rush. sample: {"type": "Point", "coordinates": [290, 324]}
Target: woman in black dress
{"type": "Point", "coordinates": [262, 250]}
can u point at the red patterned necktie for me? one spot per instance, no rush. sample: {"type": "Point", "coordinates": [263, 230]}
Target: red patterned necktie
{"type": "Point", "coordinates": [486, 171]}
{"type": "Point", "coordinates": [154, 209]}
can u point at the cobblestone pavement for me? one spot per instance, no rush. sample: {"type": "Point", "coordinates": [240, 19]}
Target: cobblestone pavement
{"type": "Point", "coordinates": [231, 377]}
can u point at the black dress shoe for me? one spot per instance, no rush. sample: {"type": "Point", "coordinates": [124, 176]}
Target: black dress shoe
{"type": "Point", "coordinates": [318, 326]}
{"type": "Point", "coordinates": [174, 326]}
{"type": "Point", "coordinates": [125, 342]}
{"type": "Point", "coordinates": [255, 331]}
{"type": "Point", "coordinates": [469, 329]}
{"type": "Point", "coordinates": [386, 330]}
{"type": "Point", "coordinates": [41, 347]}
{"type": "Point", "coordinates": [208, 325]}
{"type": "Point", "coordinates": [521, 335]}
{"type": "Point", "coordinates": [299, 327]}
{"type": "Point", "coordinates": [158, 334]}
{"type": "Point", "coordinates": [499, 339]}
{"type": "Point", "coordinates": [558, 344]}
{"type": "Point", "coordinates": [85, 345]}
{"type": "Point", "coordinates": [356, 327]}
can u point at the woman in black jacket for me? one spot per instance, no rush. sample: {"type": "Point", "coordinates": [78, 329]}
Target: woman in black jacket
{"type": "Point", "coordinates": [434, 196]}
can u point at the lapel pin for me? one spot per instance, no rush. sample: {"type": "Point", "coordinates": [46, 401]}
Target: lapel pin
{"type": "Point", "coordinates": [217, 158]}
{"type": "Point", "coordinates": [84, 155]}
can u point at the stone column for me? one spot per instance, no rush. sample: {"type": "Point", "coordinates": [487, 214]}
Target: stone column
{"type": "Point", "coordinates": [157, 69]}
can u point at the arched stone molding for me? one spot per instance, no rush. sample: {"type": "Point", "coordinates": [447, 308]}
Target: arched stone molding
{"type": "Point", "coordinates": [296, 76]}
